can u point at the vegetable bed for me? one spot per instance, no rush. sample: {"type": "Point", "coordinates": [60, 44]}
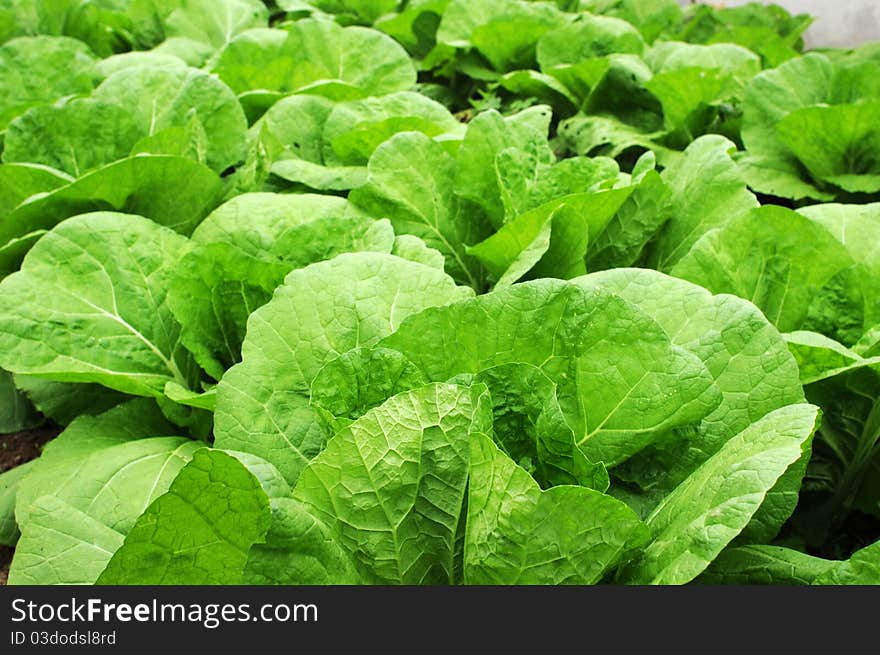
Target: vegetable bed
{"type": "Point", "coordinates": [437, 292]}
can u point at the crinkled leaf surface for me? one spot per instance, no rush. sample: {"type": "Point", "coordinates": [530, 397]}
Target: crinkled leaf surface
{"type": "Point", "coordinates": [772, 256]}
{"type": "Point", "coordinates": [706, 191]}
{"type": "Point", "coordinates": [750, 364]}
{"type": "Point", "coordinates": [862, 568]}
{"type": "Point", "coordinates": [710, 508]}
{"type": "Point", "coordinates": [237, 264]}
{"type": "Point", "coordinates": [42, 69]}
{"type": "Point", "coordinates": [299, 549]}
{"type": "Point", "coordinates": [391, 487]}
{"type": "Point", "coordinates": [518, 534]}
{"type": "Point", "coordinates": [200, 531]}
{"type": "Point", "coordinates": [530, 427]}
{"type": "Point", "coordinates": [765, 565]}
{"type": "Point", "coordinates": [74, 137]}
{"type": "Point", "coordinates": [819, 357]}
{"type": "Point", "coordinates": [744, 353]}
{"type": "Point", "coordinates": [320, 312]}
{"type": "Point", "coordinates": [618, 395]}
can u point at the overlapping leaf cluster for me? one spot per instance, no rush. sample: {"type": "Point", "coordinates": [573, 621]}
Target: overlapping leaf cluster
{"type": "Point", "coordinates": [438, 292]}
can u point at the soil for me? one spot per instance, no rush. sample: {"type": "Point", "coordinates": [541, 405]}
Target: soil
{"type": "Point", "coordinates": [5, 561]}
{"type": "Point", "coordinates": [16, 449]}
{"type": "Point", "coordinates": [20, 447]}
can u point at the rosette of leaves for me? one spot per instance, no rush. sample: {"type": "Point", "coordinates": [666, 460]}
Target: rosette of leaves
{"type": "Point", "coordinates": [659, 98]}
{"type": "Point", "coordinates": [810, 128]}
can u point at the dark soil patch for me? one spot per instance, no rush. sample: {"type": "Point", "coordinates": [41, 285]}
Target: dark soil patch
{"type": "Point", "coordinates": [5, 561]}
{"type": "Point", "coordinates": [20, 447]}
{"type": "Point", "coordinates": [15, 449]}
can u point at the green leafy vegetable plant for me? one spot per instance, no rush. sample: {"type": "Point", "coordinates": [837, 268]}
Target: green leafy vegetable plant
{"type": "Point", "coordinates": [437, 292]}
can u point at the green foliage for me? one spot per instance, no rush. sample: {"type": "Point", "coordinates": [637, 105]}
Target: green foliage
{"type": "Point", "coordinates": [438, 292]}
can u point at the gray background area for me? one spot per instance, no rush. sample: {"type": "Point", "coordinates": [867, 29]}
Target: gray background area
{"type": "Point", "coordinates": [838, 22]}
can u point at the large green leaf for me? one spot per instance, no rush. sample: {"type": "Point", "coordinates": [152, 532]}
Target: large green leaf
{"type": "Point", "coordinates": [618, 395]}
{"type": "Point", "coordinates": [820, 358]}
{"type": "Point", "coordinates": [837, 144]}
{"type": "Point", "coordinates": [712, 506]}
{"type": "Point", "coordinates": [356, 128]}
{"type": "Point", "coordinates": [764, 565]}
{"type": "Point", "coordinates": [112, 484]}
{"type": "Point", "coordinates": [361, 62]}
{"type": "Point", "coordinates": [769, 167]}
{"type": "Point", "coordinates": [778, 565]}
{"type": "Point", "coordinates": [214, 22]}
{"type": "Point", "coordinates": [591, 36]}
{"type": "Point", "coordinates": [236, 264]}
{"type": "Point", "coordinates": [294, 128]}
{"type": "Point", "coordinates": [750, 364]}
{"type": "Point", "coordinates": [158, 99]}
{"type": "Point", "coordinates": [706, 191]}
{"type": "Point", "coordinates": [80, 498]}
{"type": "Point", "coordinates": [319, 313]}
{"type": "Point", "coordinates": [173, 191]}
{"type": "Point", "coordinates": [627, 235]}
{"type": "Point", "coordinates": [692, 82]}
{"type": "Point", "coordinates": [505, 32]}
{"type": "Point", "coordinates": [200, 531]}
{"type": "Point", "coordinates": [508, 40]}
{"type": "Point", "coordinates": [299, 549]}
{"type": "Point", "coordinates": [90, 305]}
{"type": "Point", "coordinates": [477, 174]}
{"type": "Point", "coordinates": [862, 568]}
{"type": "Point", "coordinates": [518, 534]}
{"type": "Point", "coordinates": [746, 356]}
{"type": "Point", "coordinates": [411, 182]}
{"type": "Point", "coordinates": [42, 69]}
{"type": "Point", "coordinates": [106, 67]}
{"type": "Point", "coordinates": [850, 309]}
{"type": "Point", "coordinates": [253, 221]}
{"type": "Point", "coordinates": [18, 182]}
{"type": "Point", "coordinates": [772, 256]}
{"type": "Point", "coordinates": [391, 486]}
{"type": "Point", "coordinates": [62, 545]}
{"type": "Point", "coordinates": [75, 137]}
